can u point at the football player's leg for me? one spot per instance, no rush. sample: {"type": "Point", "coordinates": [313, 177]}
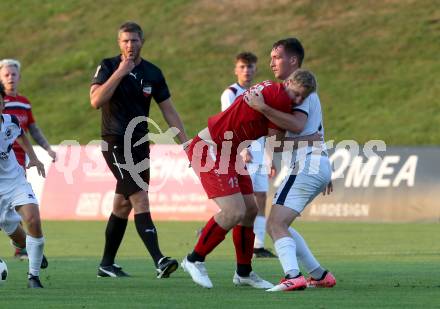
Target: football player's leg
{"type": "Point", "coordinates": [19, 238]}
{"type": "Point", "coordinates": [144, 224]}
{"type": "Point", "coordinates": [232, 210]}
{"type": "Point", "coordinates": [115, 229]}
{"type": "Point", "coordinates": [116, 225]}
{"type": "Point", "coordinates": [243, 236]}
{"type": "Point", "coordinates": [34, 239]}
{"type": "Point", "coordinates": [260, 220]}
{"type": "Point", "coordinates": [305, 255]}
{"type": "Point", "coordinates": [279, 221]}
{"type": "Point", "coordinates": [19, 244]}
{"type": "Point", "coordinates": [148, 233]}
{"type": "Point", "coordinates": [260, 187]}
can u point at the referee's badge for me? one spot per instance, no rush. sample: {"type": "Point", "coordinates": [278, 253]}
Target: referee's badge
{"type": "Point", "coordinates": [146, 90]}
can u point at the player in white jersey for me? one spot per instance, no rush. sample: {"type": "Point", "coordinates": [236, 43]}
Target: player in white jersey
{"type": "Point", "coordinates": [245, 70]}
{"type": "Point", "coordinates": [17, 200]}
{"type": "Point", "coordinates": [310, 174]}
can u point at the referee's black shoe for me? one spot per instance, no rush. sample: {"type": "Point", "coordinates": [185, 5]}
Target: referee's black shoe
{"type": "Point", "coordinates": [114, 271]}
{"type": "Point", "coordinates": [165, 267]}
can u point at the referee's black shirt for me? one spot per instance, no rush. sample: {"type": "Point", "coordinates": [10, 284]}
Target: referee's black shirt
{"type": "Point", "coordinates": [131, 98]}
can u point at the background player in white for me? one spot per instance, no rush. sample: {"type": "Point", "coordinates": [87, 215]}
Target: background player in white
{"type": "Point", "coordinates": [16, 193]}
{"type": "Point", "coordinates": [18, 105]}
{"type": "Point", "coordinates": [245, 70]}
{"type": "Point", "coordinates": [309, 175]}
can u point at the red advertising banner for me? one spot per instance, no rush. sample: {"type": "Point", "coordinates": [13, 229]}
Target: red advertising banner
{"type": "Point", "coordinates": [79, 186]}
{"type": "Point", "coordinates": [397, 184]}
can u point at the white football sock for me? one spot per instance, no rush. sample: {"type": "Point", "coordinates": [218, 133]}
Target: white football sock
{"type": "Point", "coordinates": [286, 251]}
{"type": "Point", "coordinates": [317, 273]}
{"type": "Point", "coordinates": [303, 253]}
{"type": "Point", "coordinates": [34, 248]}
{"type": "Point", "coordinates": [259, 231]}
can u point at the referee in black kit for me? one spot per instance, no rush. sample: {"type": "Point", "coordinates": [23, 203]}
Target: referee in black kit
{"type": "Point", "coordinates": [122, 88]}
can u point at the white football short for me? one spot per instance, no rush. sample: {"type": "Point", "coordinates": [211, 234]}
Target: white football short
{"type": "Point", "coordinates": [21, 194]}
{"type": "Point", "coordinates": [259, 177]}
{"type": "Point", "coordinates": [304, 182]}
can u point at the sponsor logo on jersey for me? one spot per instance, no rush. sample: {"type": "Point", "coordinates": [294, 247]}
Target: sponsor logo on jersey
{"type": "Point", "coordinates": [146, 90]}
{"type": "Point", "coordinates": [4, 155]}
{"type": "Point", "coordinates": [8, 133]}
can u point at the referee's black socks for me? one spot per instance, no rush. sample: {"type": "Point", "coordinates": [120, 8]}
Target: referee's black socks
{"type": "Point", "coordinates": [147, 231]}
{"type": "Point", "coordinates": [113, 236]}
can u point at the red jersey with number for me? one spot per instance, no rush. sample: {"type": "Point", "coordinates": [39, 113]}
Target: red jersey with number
{"type": "Point", "coordinates": [20, 107]}
{"type": "Point", "coordinates": [246, 123]}
{"type": "Point", "coordinates": [219, 173]}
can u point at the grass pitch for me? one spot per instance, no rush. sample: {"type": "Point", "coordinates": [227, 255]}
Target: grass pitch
{"type": "Point", "coordinates": [376, 266]}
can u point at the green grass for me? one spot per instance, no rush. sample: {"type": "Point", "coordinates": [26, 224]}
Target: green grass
{"type": "Point", "coordinates": [376, 61]}
{"type": "Point", "coordinates": [376, 265]}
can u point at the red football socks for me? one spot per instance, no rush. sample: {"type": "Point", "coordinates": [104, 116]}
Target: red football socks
{"type": "Point", "coordinates": [212, 235]}
{"type": "Point", "coordinates": [244, 243]}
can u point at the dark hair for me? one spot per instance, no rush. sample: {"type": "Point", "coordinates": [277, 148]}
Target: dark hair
{"type": "Point", "coordinates": [292, 46]}
{"type": "Point", "coordinates": [130, 26]}
{"type": "Point", "coordinates": [2, 90]}
{"type": "Point", "coordinates": [246, 57]}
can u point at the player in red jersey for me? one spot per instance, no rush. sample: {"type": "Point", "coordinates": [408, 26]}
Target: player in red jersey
{"type": "Point", "coordinates": [215, 156]}
{"type": "Point", "coordinates": [20, 107]}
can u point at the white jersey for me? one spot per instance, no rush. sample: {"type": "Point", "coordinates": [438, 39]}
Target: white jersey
{"type": "Point", "coordinates": [10, 170]}
{"type": "Point", "coordinates": [312, 108]}
{"type": "Point", "coordinates": [228, 97]}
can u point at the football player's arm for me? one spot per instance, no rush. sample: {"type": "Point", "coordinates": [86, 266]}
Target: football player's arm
{"type": "Point", "coordinates": [100, 94]}
{"type": "Point", "coordinates": [23, 141]}
{"type": "Point", "coordinates": [41, 140]}
{"type": "Point", "coordinates": [288, 143]}
{"type": "Point", "coordinates": [293, 122]}
{"type": "Point", "coordinates": [173, 119]}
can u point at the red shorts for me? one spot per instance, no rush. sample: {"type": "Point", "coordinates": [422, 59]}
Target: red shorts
{"type": "Point", "coordinates": [216, 179]}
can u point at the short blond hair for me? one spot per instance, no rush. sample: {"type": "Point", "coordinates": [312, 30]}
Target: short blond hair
{"type": "Point", "coordinates": [10, 63]}
{"type": "Point", "coordinates": [304, 78]}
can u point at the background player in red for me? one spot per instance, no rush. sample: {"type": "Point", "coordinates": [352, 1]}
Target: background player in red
{"type": "Point", "coordinates": [213, 155]}
{"type": "Point", "coordinates": [19, 106]}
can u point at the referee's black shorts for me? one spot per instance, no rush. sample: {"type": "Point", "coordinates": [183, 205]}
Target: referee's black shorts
{"type": "Point", "coordinates": [115, 158]}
